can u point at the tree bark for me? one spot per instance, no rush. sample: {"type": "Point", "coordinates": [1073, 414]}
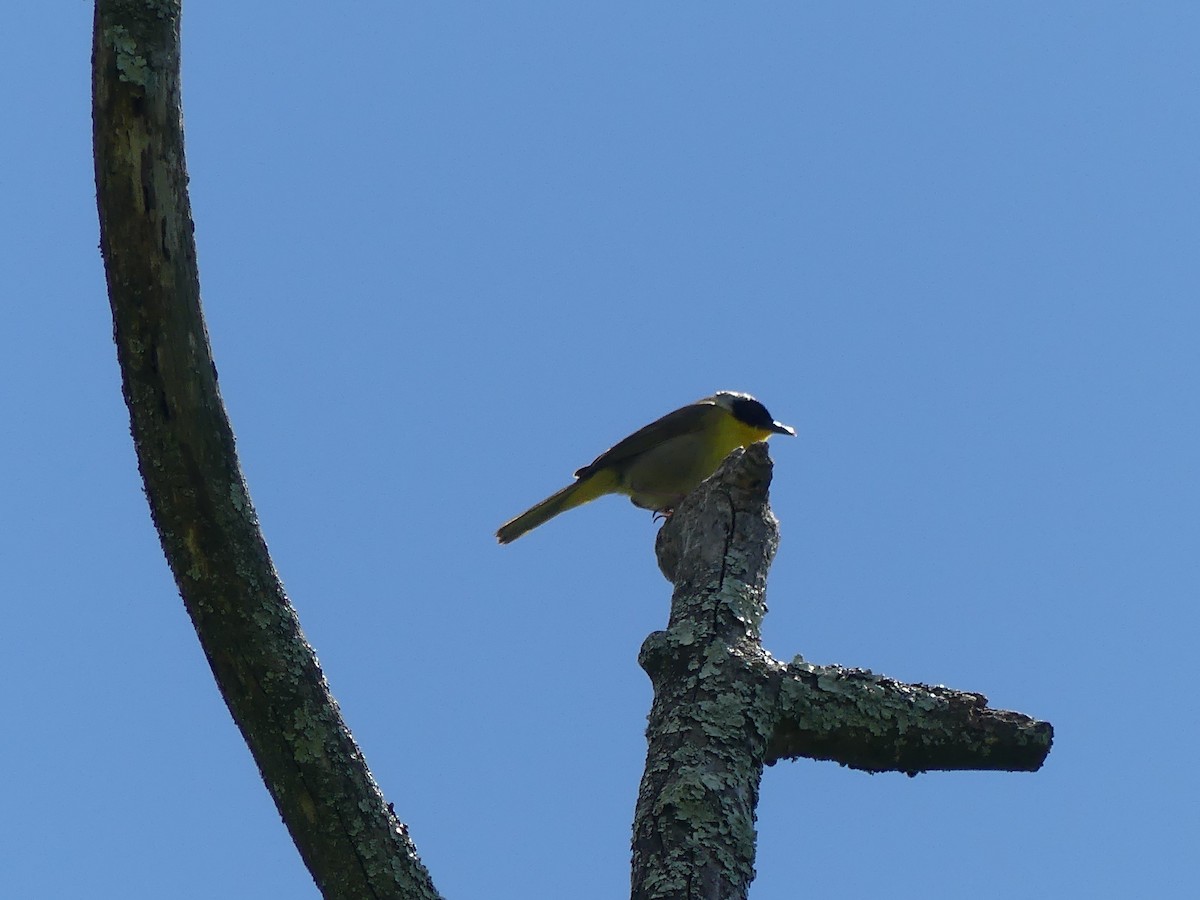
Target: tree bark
{"type": "Point", "coordinates": [876, 724]}
{"type": "Point", "coordinates": [723, 707]}
{"type": "Point", "coordinates": [268, 675]}
{"type": "Point", "coordinates": [710, 720]}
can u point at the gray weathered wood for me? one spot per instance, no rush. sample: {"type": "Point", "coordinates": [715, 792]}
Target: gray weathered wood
{"type": "Point", "coordinates": [723, 707]}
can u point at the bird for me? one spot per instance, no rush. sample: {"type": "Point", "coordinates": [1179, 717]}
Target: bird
{"type": "Point", "coordinates": [658, 465]}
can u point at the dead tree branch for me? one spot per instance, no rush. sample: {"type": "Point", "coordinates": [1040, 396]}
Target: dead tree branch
{"type": "Point", "coordinates": [723, 707]}
{"type": "Point", "coordinates": [352, 843]}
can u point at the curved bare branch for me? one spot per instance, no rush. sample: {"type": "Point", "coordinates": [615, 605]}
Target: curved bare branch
{"type": "Point", "coordinates": [268, 675]}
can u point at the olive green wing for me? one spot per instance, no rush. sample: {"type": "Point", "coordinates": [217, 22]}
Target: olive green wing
{"type": "Point", "coordinates": [685, 420]}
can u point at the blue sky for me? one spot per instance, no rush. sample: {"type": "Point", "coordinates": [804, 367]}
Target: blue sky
{"type": "Point", "coordinates": [450, 252]}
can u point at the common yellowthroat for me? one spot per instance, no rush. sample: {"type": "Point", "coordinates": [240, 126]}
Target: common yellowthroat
{"type": "Point", "coordinates": [658, 465]}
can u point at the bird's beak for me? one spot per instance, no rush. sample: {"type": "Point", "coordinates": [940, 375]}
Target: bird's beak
{"type": "Point", "coordinates": [778, 428]}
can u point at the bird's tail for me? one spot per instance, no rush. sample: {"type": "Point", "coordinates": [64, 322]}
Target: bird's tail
{"type": "Point", "coordinates": [573, 495]}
